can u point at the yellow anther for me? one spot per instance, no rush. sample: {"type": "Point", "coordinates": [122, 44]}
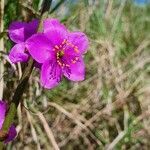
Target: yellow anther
{"type": "Point", "coordinates": [76, 58]}
{"type": "Point", "coordinates": [73, 61]}
{"type": "Point", "coordinates": [56, 46]}
{"type": "Point", "coordinates": [76, 50]}
{"type": "Point", "coordinates": [67, 65]}
{"type": "Point", "coordinates": [60, 64]}
{"type": "Point", "coordinates": [72, 45]}
{"type": "Point", "coordinates": [64, 41]}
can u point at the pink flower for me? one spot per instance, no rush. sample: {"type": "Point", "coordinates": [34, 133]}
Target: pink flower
{"type": "Point", "coordinates": [19, 32]}
{"type": "Point", "coordinates": [12, 131]}
{"type": "Point", "coordinates": [60, 53]}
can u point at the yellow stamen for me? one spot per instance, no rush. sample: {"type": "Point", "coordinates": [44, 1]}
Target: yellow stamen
{"type": "Point", "coordinates": [67, 65]}
{"type": "Point", "coordinates": [56, 46]}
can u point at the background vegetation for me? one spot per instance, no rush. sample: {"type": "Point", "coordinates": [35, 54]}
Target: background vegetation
{"type": "Point", "coordinates": [111, 108]}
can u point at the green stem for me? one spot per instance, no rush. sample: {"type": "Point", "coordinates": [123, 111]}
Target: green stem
{"type": "Point", "coordinates": [25, 77]}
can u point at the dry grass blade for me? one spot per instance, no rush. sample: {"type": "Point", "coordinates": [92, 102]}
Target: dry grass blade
{"type": "Point", "coordinates": [33, 132]}
{"type": "Point", "coordinates": [74, 118]}
{"type": "Point", "coordinates": [48, 131]}
{"type": "Point", "coordinates": [68, 114]}
{"type": "Point", "coordinates": [116, 140]}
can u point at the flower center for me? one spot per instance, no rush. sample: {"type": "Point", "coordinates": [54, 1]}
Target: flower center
{"type": "Point", "coordinates": [60, 53]}
{"type": "Point", "coordinates": [59, 56]}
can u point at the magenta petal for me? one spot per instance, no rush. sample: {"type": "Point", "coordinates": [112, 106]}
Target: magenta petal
{"type": "Point", "coordinates": [48, 23]}
{"type": "Point", "coordinates": [80, 40]}
{"type": "Point", "coordinates": [11, 134]}
{"type": "Point", "coordinates": [31, 28]}
{"type": "Point", "coordinates": [21, 31]}
{"type": "Point", "coordinates": [50, 74]}
{"type": "Point", "coordinates": [16, 31]}
{"type": "Point", "coordinates": [3, 107]}
{"type": "Point", "coordinates": [17, 53]}
{"type": "Point", "coordinates": [76, 72]}
{"type": "Point", "coordinates": [56, 35]}
{"type": "Point", "coordinates": [39, 48]}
